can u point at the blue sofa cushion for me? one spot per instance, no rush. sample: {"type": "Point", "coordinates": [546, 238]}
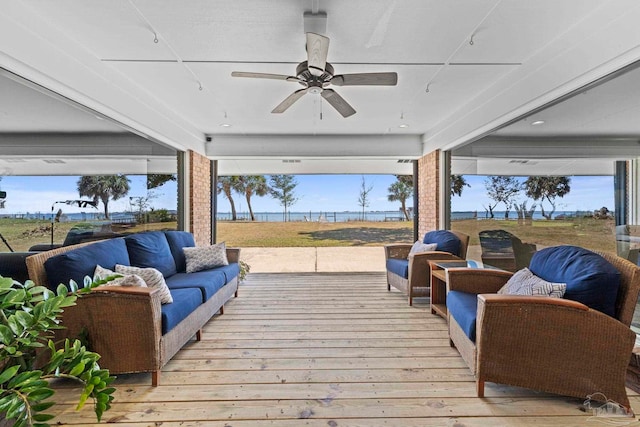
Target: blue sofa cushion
{"type": "Point", "coordinates": [590, 279]}
{"type": "Point", "coordinates": [151, 249]}
{"type": "Point", "coordinates": [230, 271]}
{"type": "Point", "coordinates": [177, 241]}
{"type": "Point", "coordinates": [209, 282]}
{"type": "Point", "coordinates": [185, 301]}
{"type": "Point", "coordinates": [446, 240]}
{"type": "Point", "coordinates": [399, 267]}
{"type": "Point", "coordinates": [463, 307]}
{"type": "Point", "coordinates": [81, 262]}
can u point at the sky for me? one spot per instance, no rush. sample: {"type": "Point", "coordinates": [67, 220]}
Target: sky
{"type": "Point", "coordinates": [316, 193]}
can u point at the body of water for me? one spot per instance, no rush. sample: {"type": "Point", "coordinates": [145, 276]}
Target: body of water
{"type": "Point", "coordinates": [294, 216]}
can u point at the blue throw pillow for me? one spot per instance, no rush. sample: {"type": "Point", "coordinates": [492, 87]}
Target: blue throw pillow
{"type": "Point", "coordinates": [177, 241]}
{"type": "Point", "coordinates": [590, 278]}
{"type": "Point", "coordinates": [81, 262]}
{"type": "Point", "coordinates": [446, 240]}
{"type": "Point", "coordinates": [151, 249]}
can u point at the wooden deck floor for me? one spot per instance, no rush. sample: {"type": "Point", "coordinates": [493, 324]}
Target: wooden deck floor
{"type": "Point", "coordinates": [324, 350]}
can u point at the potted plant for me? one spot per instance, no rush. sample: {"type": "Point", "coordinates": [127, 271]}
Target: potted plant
{"type": "Point", "coordinates": [29, 358]}
{"type": "Point", "coordinates": [244, 270]}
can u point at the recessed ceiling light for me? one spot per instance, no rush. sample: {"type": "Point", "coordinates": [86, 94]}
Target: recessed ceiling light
{"type": "Point", "coordinates": [537, 123]}
{"type": "Point", "coordinates": [403, 126]}
{"type": "Point", "coordinates": [225, 125]}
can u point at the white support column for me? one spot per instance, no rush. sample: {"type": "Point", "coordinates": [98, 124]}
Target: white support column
{"type": "Point", "coordinates": [634, 188]}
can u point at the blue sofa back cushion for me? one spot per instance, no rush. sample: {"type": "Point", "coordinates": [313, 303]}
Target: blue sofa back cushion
{"type": "Point", "coordinates": [81, 262]}
{"type": "Point", "coordinates": [463, 307]}
{"type": "Point", "coordinates": [398, 267]}
{"type": "Point", "coordinates": [151, 249]}
{"type": "Point", "coordinates": [185, 302]}
{"type": "Point", "coordinates": [590, 279]}
{"type": "Point", "coordinates": [446, 240]}
{"type": "Point", "coordinates": [177, 241]}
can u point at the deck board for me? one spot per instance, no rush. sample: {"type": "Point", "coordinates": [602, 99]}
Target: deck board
{"type": "Point", "coordinates": [323, 350]}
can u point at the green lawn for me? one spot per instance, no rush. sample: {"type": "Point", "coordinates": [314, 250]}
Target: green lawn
{"type": "Point", "coordinates": [587, 232]}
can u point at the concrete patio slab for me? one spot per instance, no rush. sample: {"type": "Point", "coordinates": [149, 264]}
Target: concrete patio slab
{"type": "Point", "coordinates": [305, 260]}
{"type": "Point", "coordinates": [322, 259]}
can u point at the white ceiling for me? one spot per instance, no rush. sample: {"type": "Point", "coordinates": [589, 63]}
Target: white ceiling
{"type": "Point", "coordinates": [465, 68]}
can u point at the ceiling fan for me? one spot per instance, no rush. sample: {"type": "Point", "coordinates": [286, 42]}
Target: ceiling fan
{"type": "Point", "coordinates": [316, 74]}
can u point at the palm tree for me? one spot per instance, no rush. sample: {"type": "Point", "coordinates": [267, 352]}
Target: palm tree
{"type": "Point", "coordinates": [400, 191]}
{"type": "Point", "coordinates": [225, 185]}
{"type": "Point", "coordinates": [104, 188]}
{"type": "Point", "coordinates": [250, 185]}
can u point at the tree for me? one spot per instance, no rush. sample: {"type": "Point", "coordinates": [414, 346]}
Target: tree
{"type": "Point", "coordinates": [281, 188]}
{"type": "Point", "coordinates": [457, 184]}
{"type": "Point", "coordinates": [502, 189]}
{"type": "Point", "coordinates": [104, 188]}
{"type": "Point", "coordinates": [226, 185]}
{"type": "Point", "coordinates": [155, 180]}
{"type": "Point", "coordinates": [547, 188]}
{"type": "Point", "coordinates": [363, 197]}
{"type": "Point", "coordinates": [142, 205]}
{"type": "Point", "coordinates": [250, 185]}
{"type": "Point", "coordinates": [400, 191]}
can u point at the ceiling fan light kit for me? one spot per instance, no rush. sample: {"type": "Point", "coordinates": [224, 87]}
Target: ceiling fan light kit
{"type": "Point", "coordinates": [316, 74]}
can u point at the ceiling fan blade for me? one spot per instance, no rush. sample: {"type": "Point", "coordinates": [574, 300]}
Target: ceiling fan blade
{"type": "Point", "coordinates": [317, 50]}
{"type": "Point", "coordinates": [365, 79]}
{"type": "Point", "coordinates": [264, 76]}
{"type": "Point", "coordinates": [338, 102]}
{"type": "Point", "coordinates": [289, 100]}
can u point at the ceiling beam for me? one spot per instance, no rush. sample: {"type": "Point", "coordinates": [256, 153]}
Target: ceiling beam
{"type": "Point", "coordinates": [317, 146]}
{"type": "Point", "coordinates": [552, 147]}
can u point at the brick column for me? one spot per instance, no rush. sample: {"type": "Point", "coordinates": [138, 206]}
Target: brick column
{"type": "Point", "coordinates": [199, 199]}
{"type": "Point", "coordinates": [429, 193]}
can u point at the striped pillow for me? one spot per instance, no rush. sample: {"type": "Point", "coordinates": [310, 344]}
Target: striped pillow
{"type": "Point", "coordinates": [152, 277]}
{"type": "Point", "coordinates": [524, 282]}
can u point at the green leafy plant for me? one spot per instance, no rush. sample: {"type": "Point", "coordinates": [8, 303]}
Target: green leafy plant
{"type": "Point", "coordinates": [244, 270]}
{"type": "Point", "coordinates": [29, 358]}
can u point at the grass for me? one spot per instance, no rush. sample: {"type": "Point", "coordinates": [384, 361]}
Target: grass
{"type": "Point", "coordinates": [586, 232]}
{"type": "Point", "coordinates": [313, 234]}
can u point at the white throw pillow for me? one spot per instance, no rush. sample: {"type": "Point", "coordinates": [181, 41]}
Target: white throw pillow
{"type": "Point", "coordinates": [418, 246]}
{"type": "Point", "coordinates": [101, 273]}
{"type": "Point", "coordinates": [524, 282]}
{"type": "Point", "coordinates": [205, 257]}
{"type": "Point", "coordinates": [152, 277]}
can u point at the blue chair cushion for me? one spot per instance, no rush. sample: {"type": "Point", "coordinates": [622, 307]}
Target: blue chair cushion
{"type": "Point", "coordinates": [178, 240]}
{"type": "Point", "coordinates": [151, 249]}
{"type": "Point", "coordinates": [463, 307]}
{"type": "Point", "coordinates": [185, 301]}
{"type": "Point", "coordinates": [590, 278]}
{"type": "Point", "coordinates": [208, 281]}
{"type": "Point", "coordinates": [81, 262]}
{"type": "Point", "coordinates": [399, 267]}
{"type": "Point", "coordinates": [446, 240]}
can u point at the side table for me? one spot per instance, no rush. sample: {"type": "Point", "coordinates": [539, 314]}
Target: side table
{"type": "Point", "coordinates": [439, 282]}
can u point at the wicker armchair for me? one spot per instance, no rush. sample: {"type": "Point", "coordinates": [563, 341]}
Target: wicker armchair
{"type": "Point", "coordinates": [548, 344]}
{"type": "Point", "coordinates": [417, 282]}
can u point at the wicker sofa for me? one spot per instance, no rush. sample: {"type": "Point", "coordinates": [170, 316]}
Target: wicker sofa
{"type": "Point", "coordinates": [579, 345]}
{"type": "Point", "coordinates": [129, 326]}
{"type": "Point", "coordinates": [411, 273]}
